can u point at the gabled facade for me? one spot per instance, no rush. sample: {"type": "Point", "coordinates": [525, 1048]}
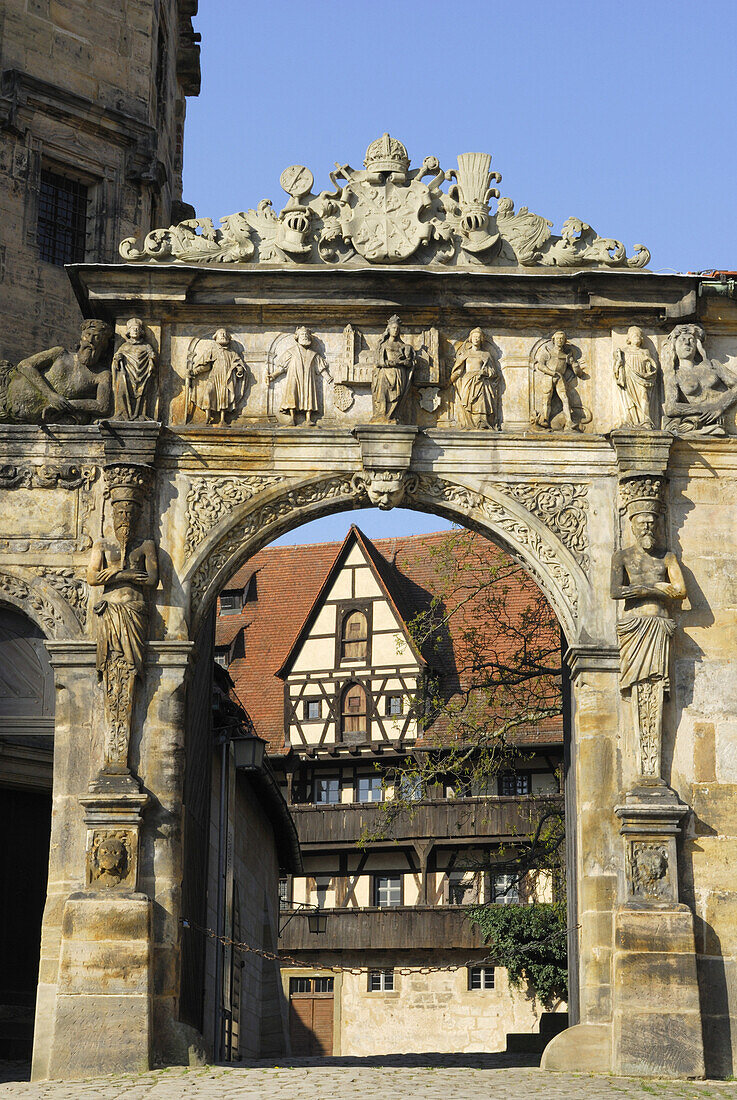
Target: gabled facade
{"type": "Point", "coordinates": [332, 679]}
{"type": "Point", "coordinates": [353, 675]}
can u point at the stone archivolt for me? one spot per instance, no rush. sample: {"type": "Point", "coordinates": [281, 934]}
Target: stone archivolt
{"type": "Point", "coordinates": [387, 214]}
{"type": "Point", "coordinates": [210, 498]}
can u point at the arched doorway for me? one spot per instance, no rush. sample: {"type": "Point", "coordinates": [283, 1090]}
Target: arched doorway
{"type": "Point", "coordinates": [26, 765]}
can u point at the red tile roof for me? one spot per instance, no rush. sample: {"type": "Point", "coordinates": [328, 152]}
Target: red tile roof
{"type": "Point", "coordinates": [290, 578]}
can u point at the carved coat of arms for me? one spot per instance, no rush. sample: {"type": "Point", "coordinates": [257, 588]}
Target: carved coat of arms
{"type": "Point", "coordinates": [382, 221]}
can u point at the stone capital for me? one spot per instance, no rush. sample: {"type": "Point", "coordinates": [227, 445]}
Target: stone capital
{"type": "Point", "coordinates": [386, 446]}
{"type": "Point", "coordinates": [641, 453]}
{"type": "Point", "coordinates": [130, 440]}
{"type": "Point", "coordinates": [592, 658]}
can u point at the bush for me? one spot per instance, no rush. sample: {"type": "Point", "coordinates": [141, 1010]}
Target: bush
{"type": "Point", "coordinates": [530, 941]}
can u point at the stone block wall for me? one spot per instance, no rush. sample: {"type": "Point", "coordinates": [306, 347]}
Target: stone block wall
{"type": "Point", "coordinates": [94, 91]}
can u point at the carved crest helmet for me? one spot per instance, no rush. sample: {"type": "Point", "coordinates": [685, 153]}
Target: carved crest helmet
{"type": "Point", "coordinates": [386, 154]}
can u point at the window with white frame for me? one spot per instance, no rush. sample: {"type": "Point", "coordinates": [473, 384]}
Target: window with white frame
{"type": "Point", "coordinates": [411, 788]}
{"type": "Point", "coordinates": [284, 901]}
{"type": "Point", "coordinates": [504, 889]}
{"type": "Point", "coordinates": [387, 890]}
{"type": "Point", "coordinates": [380, 981]}
{"type": "Point", "coordinates": [394, 706]}
{"type": "Point", "coordinates": [463, 888]}
{"type": "Point", "coordinates": [312, 709]}
{"type": "Point", "coordinates": [515, 783]}
{"type": "Point", "coordinates": [480, 977]}
{"type": "Point", "coordinates": [326, 789]}
{"type": "Point", "coordinates": [369, 788]}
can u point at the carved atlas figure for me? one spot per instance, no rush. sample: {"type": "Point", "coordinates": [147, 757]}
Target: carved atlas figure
{"type": "Point", "coordinates": [127, 570]}
{"type": "Point", "coordinates": [392, 375]}
{"type": "Point", "coordinates": [648, 578]}
{"type": "Point", "coordinates": [61, 385]}
{"type": "Point", "coordinates": [302, 364]}
{"type": "Point", "coordinates": [134, 369]}
{"type": "Point", "coordinates": [698, 390]}
{"type": "Point", "coordinates": [216, 378]}
{"type": "Point", "coordinates": [636, 374]}
{"type": "Point", "coordinates": [476, 378]}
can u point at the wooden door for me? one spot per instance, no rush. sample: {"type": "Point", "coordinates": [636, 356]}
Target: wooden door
{"type": "Point", "coordinates": [311, 1016]}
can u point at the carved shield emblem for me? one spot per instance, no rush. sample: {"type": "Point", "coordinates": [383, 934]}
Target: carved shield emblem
{"type": "Point", "coordinates": [383, 222]}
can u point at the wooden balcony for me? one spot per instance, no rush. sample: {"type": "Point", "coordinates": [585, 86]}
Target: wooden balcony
{"type": "Point", "coordinates": [447, 821]}
{"type": "Point", "coordinates": [417, 927]}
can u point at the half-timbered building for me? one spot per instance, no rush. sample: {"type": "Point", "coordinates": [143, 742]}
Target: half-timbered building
{"type": "Point", "coordinates": [319, 642]}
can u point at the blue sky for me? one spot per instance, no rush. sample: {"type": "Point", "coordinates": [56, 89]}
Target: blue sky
{"type": "Point", "coordinates": [624, 114]}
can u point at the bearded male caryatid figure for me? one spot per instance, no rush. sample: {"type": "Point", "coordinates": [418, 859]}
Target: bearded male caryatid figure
{"type": "Point", "coordinates": [127, 570]}
{"type": "Point", "coordinates": [134, 374]}
{"type": "Point", "coordinates": [648, 578]}
{"type": "Point", "coordinates": [392, 375]}
{"type": "Point", "coordinates": [61, 386]}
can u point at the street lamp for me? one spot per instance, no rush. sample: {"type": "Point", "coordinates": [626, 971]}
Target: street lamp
{"type": "Point", "coordinates": [248, 753]}
{"type": "Point", "coordinates": [317, 919]}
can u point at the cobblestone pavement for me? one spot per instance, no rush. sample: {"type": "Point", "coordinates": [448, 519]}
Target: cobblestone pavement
{"type": "Point", "coordinates": [406, 1077]}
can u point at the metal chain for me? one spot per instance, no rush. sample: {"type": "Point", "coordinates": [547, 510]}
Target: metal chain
{"type": "Point", "coordinates": [357, 970]}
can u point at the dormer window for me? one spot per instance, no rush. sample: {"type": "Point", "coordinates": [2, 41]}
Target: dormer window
{"type": "Point", "coordinates": [354, 637]}
{"type": "Point", "coordinates": [231, 602]}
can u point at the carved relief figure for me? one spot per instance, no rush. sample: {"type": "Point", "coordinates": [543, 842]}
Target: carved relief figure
{"type": "Point", "coordinates": [134, 368]}
{"type": "Point", "coordinates": [636, 374]}
{"type": "Point", "coordinates": [61, 385]}
{"type": "Point", "coordinates": [392, 374]}
{"type": "Point", "coordinates": [302, 364]}
{"type": "Point", "coordinates": [698, 390]}
{"type": "Point", "coordinates": [476, 377]}
{"type": "Point", "coordinates": [127, 570]}
{"type": "Point", "coordinates": [216, 378]}
{"type": "Point", "coordinates": [110, 860]}
{"type": "Point", "coordinates": [385, 488]}
{"type": "Point", "coordinates": [649, 869]}
{"type": "Point", "coordinates": [648, 578]}
{"type": "Point", "coordinates": [556, 369]}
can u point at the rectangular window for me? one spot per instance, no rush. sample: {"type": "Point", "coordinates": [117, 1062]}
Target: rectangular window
{"type": "Point", "coordinates": [284, 893]}
{"type": "Point", "coordinates": [481, 977]}
{"type": "Point", "coordinates": [463, 888]}
{"type": "Point", "coordinates": [221, 655]}
{"type": "Point", "coordinates": [411, 788]}
{"type": "Point", "coordinates": [326, 789]}
{"type": "Point", "coordinates": [387, 890]}
{"type": "Point", "coordinates": [380, 981]}
{"type": "Point", "coordinates": [300, 985]}
{"type": "Point", "coordinates": [514, 783]}
{"type": "Point", "coordinates": [312, 709]}
{"type": "Point", "coordinates": [231, 603]}
{"type": "Point", "coordinates": [369, 788]}
{"type": "Point", "coordinates": [394, 705]}
{"type": "Point", "coordinates": [62, 219]}
{"type": "Point", "coordinates": [505, 889]}
{"type": "Point", "coordinates": [324, 985]}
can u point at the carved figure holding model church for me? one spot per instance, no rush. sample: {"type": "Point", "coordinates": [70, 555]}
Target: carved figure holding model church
{"type": "Point", "coordinates": [392, 375]}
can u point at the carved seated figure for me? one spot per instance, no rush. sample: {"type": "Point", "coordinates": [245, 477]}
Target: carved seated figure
{"type": "Point", "coordinates": [698, 390]}
{"type": "Point", "coordinates": [61, 385]}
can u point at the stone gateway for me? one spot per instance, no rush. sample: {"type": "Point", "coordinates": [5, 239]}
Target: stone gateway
{"type": "Point", "coordinates": [504, 325]}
